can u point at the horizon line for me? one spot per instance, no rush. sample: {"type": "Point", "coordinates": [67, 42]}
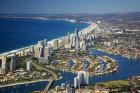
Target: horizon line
{"type": "Point", "coordinates": [65, 13]}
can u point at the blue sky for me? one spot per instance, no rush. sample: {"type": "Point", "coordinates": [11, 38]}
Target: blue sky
{"type": "Point", "coordinates": [68, 6]}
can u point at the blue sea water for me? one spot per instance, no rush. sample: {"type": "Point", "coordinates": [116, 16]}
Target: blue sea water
{"type": "Point", "coordinates": [19, 32]}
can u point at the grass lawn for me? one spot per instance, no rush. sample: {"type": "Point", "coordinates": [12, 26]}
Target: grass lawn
{"type": "Point", "coordinates": [117, 83]}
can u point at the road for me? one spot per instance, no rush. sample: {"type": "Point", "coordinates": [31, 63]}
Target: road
{"type": "Point", "coordinates": [54, 76]}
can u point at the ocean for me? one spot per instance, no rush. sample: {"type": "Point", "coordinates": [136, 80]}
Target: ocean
{"type": "Point", "coordinates": [20, 32]}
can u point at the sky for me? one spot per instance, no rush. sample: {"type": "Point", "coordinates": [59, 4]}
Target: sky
{"type": "Point", "coordinates": [68, 6]}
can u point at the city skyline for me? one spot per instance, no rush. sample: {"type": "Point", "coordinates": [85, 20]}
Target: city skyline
{"type": "Point", "coordinates": [69, 46]}
{"type": "Point", "coordinates": [72, 6]}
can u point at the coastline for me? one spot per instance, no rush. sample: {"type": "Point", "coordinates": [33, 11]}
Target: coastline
{"type": "Point", "coordinates": [28, 46]}
{"type": "Point", "coordinates": [42, 18]}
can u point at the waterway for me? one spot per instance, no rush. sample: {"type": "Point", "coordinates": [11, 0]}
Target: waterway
{"type": "Point", "coordinates": [127, 68]}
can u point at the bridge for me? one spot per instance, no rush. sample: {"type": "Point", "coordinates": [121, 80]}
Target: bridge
{"type": "Point", "coordinates": [47, 70]}
{"type": "Point", "coordinates": [48, 86]}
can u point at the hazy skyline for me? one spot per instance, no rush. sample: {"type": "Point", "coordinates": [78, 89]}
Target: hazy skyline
{"type": "Point", "coordinates": [68, 6]}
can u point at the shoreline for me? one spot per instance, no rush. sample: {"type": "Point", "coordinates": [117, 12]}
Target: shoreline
{"type": "Point", "coordinates": [22, 83]}
{"type": "Point", "coordinates": [110, 52]}
{"type": "Point", "coordinates": [27, 82]}
{"type": "Point", "coordinates": [42, 18]}
{"type": "Point", "coordinates": [93, 25]}
{"type": "Point", "coordinates": [28, 46]}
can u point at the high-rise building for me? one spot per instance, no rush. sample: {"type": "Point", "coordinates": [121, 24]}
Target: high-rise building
{"type": "Point", "coordinates": [45, 42]}
{"type": "Point", "coordinates": [41, 52]}
{"type": "Point", "coordinates": [4, 60]}
{"type": "Point", "coordinates": [70, 89]}
{"type": "Point", "coordinates": [32, 49]}
{"type": "Point", "coordinates": [68, 37]}
{"type": "Point", "coordinates": [81, 76]}
{"type": "Point", "coordinates": [47, 52]}
{"type": "Point", "coordinates": [37, 51]}
{"type": "Point", "coordinates": [76, 82]}
{"type": "Point", "coordinates": [55, 44]}
{"type": "Point", "coordinates": [28, 65]}
{"type": "Point", "coordinates": [73, 41]}
{"type": "Point", "coordinates": [41, 43]}
{"type": "Point", "coordinates": [84, 45]}
{"type": "Point", "coordinates": [67, 42]}
{"type": "Point", "coordinates": [2, 71]}
{"type": "Point", "coordinates": [22, 53]}
{"type": "Point", "coordinates": [86, 78]}
{"type": "Point", "coordinates": [60, 43]}
{"type": "Point", "coordinates": [13, 62]}
{"type": "Point", "coordinates": [3, 68]}
{"type": "Point", "coordinates": [81, 79]}
{"type": "Point", "coordinates": [77, 41]}
{"type": "Point", "coordinates": [77, 32]}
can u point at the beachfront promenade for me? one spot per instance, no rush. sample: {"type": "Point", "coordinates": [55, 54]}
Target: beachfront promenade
{"type": "Point", "coordinates": [32, 48]}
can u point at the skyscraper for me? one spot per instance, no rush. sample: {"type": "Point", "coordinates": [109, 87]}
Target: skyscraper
{"type": "Point", "coordinates": [42, 52]}
{"type": "Point", "coordinates": [41, 43]}
{"type": "Point", "coordinates": [76, 82]}
{"type": "Point", "coordinates": [86, 78]}
{"type": "Point", "coordinates": [32, 49]}
{"type": "Point", "coordinates": [3, 68]}
{"type": "Point", "coordinates": [70, 89]}
{"type": "Point", "coordinates": [45, 42]}
{"type": "Point", "coordinates": [68, 38]}
{"type": "Point", "coordinates": [55, 44]}
{"type": "Point", "coordinates": [77, 40]}
{"type": "Point", "coordinates": [47, 52]}
{"type": "Point", "coordinates": [73, 41]}
{"type": "Point", "coordinates": [68, 41]}
{"type": "Point", "coordinates": [28, 65]}
{"type": "Point", "coordinates": [81, 79]}
{"type": "Point", "coordinates": [13, 62]}
{"type": "Point", "coordinates": [37, 51]}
